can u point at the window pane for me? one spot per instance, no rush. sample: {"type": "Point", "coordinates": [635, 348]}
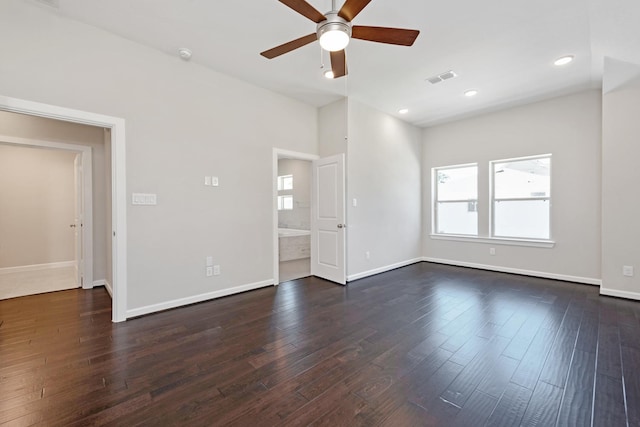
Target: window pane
{"type": "Point", "coordinates": [457, 183]}
{"type": "Point", "coordinates": [457, 218]}
{"type": "Point", "coordinates": [522, 218]}
{"type": "Point", "coordinates": [287, 202]}
{"type": "Point", "coordinates": [522, 179]}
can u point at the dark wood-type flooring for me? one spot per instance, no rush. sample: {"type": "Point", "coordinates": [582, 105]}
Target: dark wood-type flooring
{"type": "Point", "coordinates": [423, 345]}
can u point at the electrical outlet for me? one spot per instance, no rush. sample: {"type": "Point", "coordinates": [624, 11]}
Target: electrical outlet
{"type": "Point", "coordinates": [627, 270]}
{"type": "Point", "coordinates": [209, 271]}
{"type": "Point", "coordinates": [492, 251]}
{"type": "Point", "coordinates": [207, 180]}
{"type": "Point", "coordinates": [214, 181]}
{"type": "Point", "coordinates": [367, 255]}
{"type": "Point", "coordinates": [216, 270]}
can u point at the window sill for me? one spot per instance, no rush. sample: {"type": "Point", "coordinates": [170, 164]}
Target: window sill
{"type": "Point", "coordinates": [534, 243]}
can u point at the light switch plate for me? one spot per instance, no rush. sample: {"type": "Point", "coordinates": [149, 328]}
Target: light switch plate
{"type": "Point", "coordinates": [209, 261]}
{"type": "Point", "coordinates": [214, 181]}
{"type": "Point", "coordinates": [144, 199]}
{"type": "Point", "coordinates": [207, 180]}
{"type": "Point", "coordinates": [627, 270]}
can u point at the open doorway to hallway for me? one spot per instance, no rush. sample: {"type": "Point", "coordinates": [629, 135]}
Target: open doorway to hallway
{"type": "Point", "coordinates": [54, 205]}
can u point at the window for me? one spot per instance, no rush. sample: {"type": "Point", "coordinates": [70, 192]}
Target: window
{"type": "Point", "coordinates": [521, 197]}
{"type": "Point", "coordinates": [285, 182]}
{"type": "Point", "coordinates": [285, 203]}
{"type": "Point", "coordinates": [456, 200]}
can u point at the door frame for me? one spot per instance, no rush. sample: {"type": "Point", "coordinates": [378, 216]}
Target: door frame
{"type": "Point", "coordinates": [278, 154]}
{"type": "Point", "coordinates": [87, 195]}
{"type": "Point", "coordinates": [118, 184]}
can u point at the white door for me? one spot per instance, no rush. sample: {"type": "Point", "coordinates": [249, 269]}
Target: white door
{"type": "Point", "coordinates": [78, 220]}
{"type": "Point", "coordinates": [328, 220]}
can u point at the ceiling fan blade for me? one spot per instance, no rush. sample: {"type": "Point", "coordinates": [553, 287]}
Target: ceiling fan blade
{"type": "Point", "coordinates": [399, 36]}
{"type": "Point", "coordinates": [288, 47]}
{"type": "Point", "coordinates": [305, 9]}
{"type": "Point", "coordinates": [338, 63]}
{"type": "Point", "coordinates": [351, 8]}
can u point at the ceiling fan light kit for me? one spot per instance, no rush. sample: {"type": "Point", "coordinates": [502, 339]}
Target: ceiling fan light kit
{"type": "Point", "coordinates": [334, 33]}
{"type": "Point", "coordinates": [334, 30]}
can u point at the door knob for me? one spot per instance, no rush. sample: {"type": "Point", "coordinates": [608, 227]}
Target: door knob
{"type": "Point", "coordinates": [72, 226]}
{"type": "Point", "coordinates": [342, 225]}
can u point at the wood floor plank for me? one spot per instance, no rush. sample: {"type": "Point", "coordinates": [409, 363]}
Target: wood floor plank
{"type": "Point", "coordinates": [543, 406]}
{"type": "Point", "coordinates": [577, 399]}
{"type": "Point", "coordinates": [511, 407]}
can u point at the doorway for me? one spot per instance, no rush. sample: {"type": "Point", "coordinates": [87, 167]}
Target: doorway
{"type": "Point", "coordinates": [42, 223]}
{"type": "Point", "coordinates": [115, 142]}
{"type": "Point", "coordinates": [294, 218]}
{"type": "Point", "coordinates": [292, 175]}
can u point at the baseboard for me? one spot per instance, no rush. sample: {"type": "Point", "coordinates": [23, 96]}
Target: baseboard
{"type": "Point", "coordinates": [196, 298]}
{"type": "Point", "coordinates": [620, 294]}
{"type": "Point", "coordinates": [107, 285]}
{"type": "Point", "coordinates": [542, 274]}
{"type": "Point", "coordinates": [36, 267]}
{"type": "Point", "coordinates": [384, 269]}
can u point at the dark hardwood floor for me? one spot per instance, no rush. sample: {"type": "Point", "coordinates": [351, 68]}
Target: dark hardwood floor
{"type": "Point", "coordinates": [423, 345]}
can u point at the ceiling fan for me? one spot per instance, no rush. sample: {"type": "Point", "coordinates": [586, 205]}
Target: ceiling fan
{"type": "Point", "coordinates": [334, 30]}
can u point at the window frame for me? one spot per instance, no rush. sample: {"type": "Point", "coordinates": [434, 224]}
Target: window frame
{"type": "Point", "coordinates": [435, 201]}
{"type": "Point", "coordinates": [493, 199]}
{"type": "Point", "coordinates": [281, 205]}
{"type": "Point", "coordinates": [281, 179]}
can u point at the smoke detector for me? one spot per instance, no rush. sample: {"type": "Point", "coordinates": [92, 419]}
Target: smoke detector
{"type": "Point", "coordinates": [185, 53]}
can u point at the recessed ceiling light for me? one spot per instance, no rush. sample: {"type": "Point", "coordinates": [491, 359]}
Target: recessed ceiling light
{"type": "Point", "coordinates": [328, 74]}
{"type": "Point", "coordinates": [470, 93]}
{"type": "Point", "coordinates": [563, 61]}
{"type": "Point", "coordinates": [403, 111]}
{"type": "Point", "coordinates": [184, 53]}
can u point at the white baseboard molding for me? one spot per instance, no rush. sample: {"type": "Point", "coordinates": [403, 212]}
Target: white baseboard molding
{"type": "Point", "coordinates": [36, 267]}
{"type": "Point", "coordinates": [107, 286]}
{"type": "Point", "coordinates": [141, 311]}
{"type": "Point", "coordinates": [384, 269]}
{"type": "Point", "coordinates": [620, 294]}
{"type": "Point", "coordinates": [542, 274]}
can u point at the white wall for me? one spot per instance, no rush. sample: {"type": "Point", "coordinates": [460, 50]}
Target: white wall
{"type": "Point", "coordinates": [300, 216]}
{"type": "Point", "coordinates": [383, 174]}
{"type": "Point", "coordinates": [183, 122]}
{"type": "Point", "coordinates": [332, 129]}
{"type": "Point", "coordinates": [39, 128]}
{"type": "Point", "coordinates": [37, 196]}
{"type": "Point", "coordinates": [569, 127]}
{"type": "Point", "coordinates": [620, 177]}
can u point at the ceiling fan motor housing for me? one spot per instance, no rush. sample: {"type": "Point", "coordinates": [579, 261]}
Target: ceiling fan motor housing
{"type": "Point", "coordinates": [333, 23]}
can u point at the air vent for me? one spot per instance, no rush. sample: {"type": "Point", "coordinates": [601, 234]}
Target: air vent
{"type": "Point", "coordinates": [442, 77]}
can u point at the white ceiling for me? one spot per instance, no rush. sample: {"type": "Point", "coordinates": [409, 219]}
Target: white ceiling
{"type": "Point", "coordinates": [503, 48]}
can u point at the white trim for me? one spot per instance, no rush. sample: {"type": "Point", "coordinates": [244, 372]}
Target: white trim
{"type": "Point", "coordinates": [197, 298]}
{"type": "Point", "coordinates": [36, 267]}
{"type": "Point", "coordinates": [534, 243]}
{"type": "Point", "coordinates": [620, 294]}
{"type": "Point", "coordinates": [542, 274]}
{"type": "Point", "coordinates": [279, 153]}
{"type": "Point", "coordinates": [384, 269]}
{"type": "Point", "coordinates": [87, 196]}
{"type": "Point", "coordinates": [118, 177]}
